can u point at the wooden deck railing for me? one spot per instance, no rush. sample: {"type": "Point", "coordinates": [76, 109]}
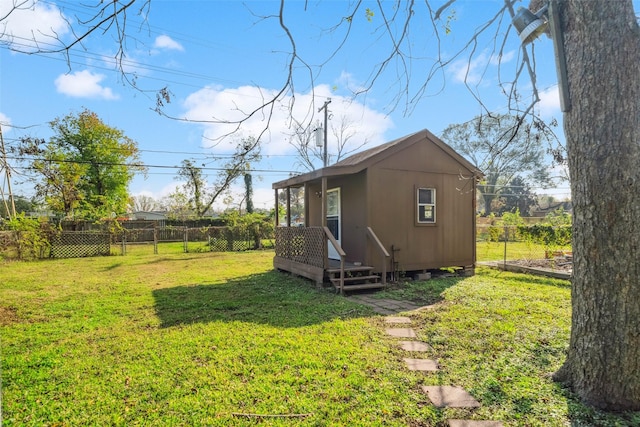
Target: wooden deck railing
{"type": "Point", "coordinates": [383, 252]}
{"type": "Point", "coordinates": [340, 252]}
{"type": "Point", "coordinates": [306, 245]}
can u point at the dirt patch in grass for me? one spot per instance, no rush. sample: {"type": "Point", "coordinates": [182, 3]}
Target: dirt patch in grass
{"type": "Point", "coordinates": [561, 264]}
{"type": "Point", "coordinates": [8, 316]}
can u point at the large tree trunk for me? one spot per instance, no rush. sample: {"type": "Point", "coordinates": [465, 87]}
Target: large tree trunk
{"type": "Point", "coordinates": [602, 42]}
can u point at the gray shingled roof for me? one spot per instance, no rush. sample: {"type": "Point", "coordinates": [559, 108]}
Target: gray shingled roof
{"type": "Point", "coordinates": [371, 152]}
{"type": "Point", "coordinates": [360, 161]}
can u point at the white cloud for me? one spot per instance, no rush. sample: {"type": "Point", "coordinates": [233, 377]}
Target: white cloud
{"type": "Point", "coordinates": [166, 42]}
{"type": "Point", "coordinates": [84, 84]}
{"type": "Point", "coordinates": [6, 121]}
{"type": "Point", "coordinates": [506, 57]}
{"type": "Point", "coordinates": [549, 103]}
{"type": "Point", "coordinates": [31, 23]}
{"type": "Point", "coordinates": [227, 105]}
{"type": "Point", "coordinates": [349, 82]}
{"type": "Point", "coordinates": [473, 70]}
{"type": "Point", "coordinates": [469, 71]}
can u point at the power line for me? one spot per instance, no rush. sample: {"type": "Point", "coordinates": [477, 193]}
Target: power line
{"type": "Point", "coordinates": [153, 29]}
{"type": "Point", "coordinates": [129, 165]}
{"type": "Point", "coordinates": [191, 153]}
{"type": "Point", "coordinates": [132, 64]}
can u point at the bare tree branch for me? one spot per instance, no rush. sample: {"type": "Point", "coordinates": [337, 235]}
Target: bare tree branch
{"type": "Point", "coordinates": [395, 21]}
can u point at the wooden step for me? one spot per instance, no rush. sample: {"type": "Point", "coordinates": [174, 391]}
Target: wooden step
{"type": "Point", "coordinates": [336, 280]}
{"type": "Point", "coordinates": [350, 269]}
{"type": "Point", "coordinates": [363, 286]}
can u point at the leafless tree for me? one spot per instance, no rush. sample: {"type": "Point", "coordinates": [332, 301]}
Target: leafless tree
{"type": "Point", "coordinates": [303, 140]}
{"type": "Point", "coordinates": [344, 139]}
{"type": "Point", "coordinates": [347, 139]}
{"type": "Point", "coordinates": [106, 18]}
{"type": "Point", "coordinates": [143, 203]}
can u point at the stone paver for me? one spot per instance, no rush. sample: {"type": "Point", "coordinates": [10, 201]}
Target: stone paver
{"type": "Point", "coordinates": [401, 332]}
{"type": "Point", "coordinates": [415, 346]}
{"type": "Point", "coordinates": [421, 365]}
{"type": "Point", "coordinates": [384, 306]}
{"type": "Point", "coordinates": [397, 319]}
{"type": "Point", "coordinates": [366, 298]}
{"type": "Point", "coordinates": [469, 423]}
{"type": "Point", "coordinates": [388, 304]}
{"type": "Point", "coordinates": [450, 397]}
{"type": "Point", "coordinates": [408, 306]}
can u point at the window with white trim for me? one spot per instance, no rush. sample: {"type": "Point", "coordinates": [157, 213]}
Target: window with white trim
{"type": "Point", "coordinates": [426, 205]}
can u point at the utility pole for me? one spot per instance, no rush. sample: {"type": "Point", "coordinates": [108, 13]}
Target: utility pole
{"type": "Point", "coordinates": [326, 114]}
{"type": "Point", "coordinates": [7, 171]}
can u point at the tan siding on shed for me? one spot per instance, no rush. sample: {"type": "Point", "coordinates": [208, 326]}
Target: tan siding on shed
{"type": "Point", "coordinates": [392, 187]}
{"type": "Point", "coordinates": [378, 190]}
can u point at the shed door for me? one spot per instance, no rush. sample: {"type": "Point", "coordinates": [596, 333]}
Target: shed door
{"type": "Point", "coordinates": [334, 220]}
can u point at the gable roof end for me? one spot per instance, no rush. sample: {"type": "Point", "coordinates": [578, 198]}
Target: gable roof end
{"type": "Point", "coordinates": [362, 160]}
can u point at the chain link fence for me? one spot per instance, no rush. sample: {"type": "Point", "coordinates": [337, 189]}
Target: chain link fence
{"type": "Point", "coordinates": [535, 245]}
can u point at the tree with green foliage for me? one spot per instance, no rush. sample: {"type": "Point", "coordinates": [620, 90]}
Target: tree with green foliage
{"type": "Point", "coordinates": [201, 195]}
{"type": "Point", "coordinates": [195, 186]}
{"type": "Point", "coordinates": [178, 206]}
{"type": "Point", "coordinates": [296, 195]}
{"type": "Point", "coordinates": [84, 170]}
{"type": "Point", "coordinates": [517, 196]}
{"type": "Point", "coordinates": [502, 147]}
{"type": "Point", "coordinates": [22, 204]}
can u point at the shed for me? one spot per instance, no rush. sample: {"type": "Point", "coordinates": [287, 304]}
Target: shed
{"type": "Point", "coordinates": [407, 206]}
{"type": "Point", "coordinates": [148, 215]}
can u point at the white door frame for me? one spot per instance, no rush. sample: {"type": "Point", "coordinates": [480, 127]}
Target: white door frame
{"type": "Point", "coordinates": [334, 221]}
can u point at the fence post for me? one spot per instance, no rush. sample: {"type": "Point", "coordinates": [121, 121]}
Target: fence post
{"type": "Point", "coordinates": [506, 239]}
{"type": "Point", "coordinates": [52, 243]}
{"type": "Point", "coordinates": [123, 250]}
{"type": "Point", "coordinates": [155, 239]}
{"type": "Point", "coordinates": [230, 238]}
{"type": "Point", "coordinates": [184, 240]}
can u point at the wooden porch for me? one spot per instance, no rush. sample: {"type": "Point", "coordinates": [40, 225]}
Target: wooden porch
{"type": "Point", "coordinates": [303, 251]}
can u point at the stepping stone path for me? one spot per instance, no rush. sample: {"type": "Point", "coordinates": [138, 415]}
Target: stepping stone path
{"type": "Point", "coordinates": [401, 332]}
{"type": "Point", "coordinates": [446, 396]}
{"type": "Point", "coordinates": [468, 423]}
{"type": "Point", "coordinates": [384, 306]}
{"type": "Point", "coordinates": [421, 364]}
{"type": "Point", "coordinates": [397, 319]}
{"type": "Point", "coordinates": [440, 396]}
{"type": "Point", "coordinates": [415, 346]}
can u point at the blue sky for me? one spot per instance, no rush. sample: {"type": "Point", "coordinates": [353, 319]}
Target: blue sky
{"type": "Point", "coordinates": [221, 57]}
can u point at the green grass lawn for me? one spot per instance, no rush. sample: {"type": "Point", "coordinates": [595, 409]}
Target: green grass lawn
{"type": "Point", "coordinates": [495, 251]}
{"type": "Point", "coordinates": [199, 338]}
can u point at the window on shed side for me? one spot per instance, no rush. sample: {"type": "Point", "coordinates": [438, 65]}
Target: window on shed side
{"type": "Point", "coordinates": [426, 205]}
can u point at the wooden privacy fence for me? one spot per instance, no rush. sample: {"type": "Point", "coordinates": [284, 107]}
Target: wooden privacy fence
{"type": "Point", "coordinates": [77, 244]}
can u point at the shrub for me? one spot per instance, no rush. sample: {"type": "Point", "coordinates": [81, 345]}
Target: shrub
{"type": "Point", "coordinates": [547, 235]}
{"type": "Point", "coordinates": [32, 237]}
{"type": "Point", "coordinates": [253, 227]}
{"type": "Point", "coordinates": [558, 217]}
